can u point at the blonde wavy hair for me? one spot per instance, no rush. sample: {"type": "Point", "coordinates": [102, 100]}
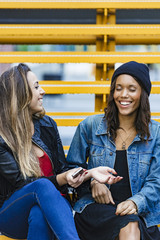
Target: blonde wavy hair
{"type": "Point", "coordinates": [15, 118]}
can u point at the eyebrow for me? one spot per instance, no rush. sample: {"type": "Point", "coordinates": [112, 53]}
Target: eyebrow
{"type": "Point", "coordinates": [36, 83]}
{"type": "Point", "coordinates": [131, 85]}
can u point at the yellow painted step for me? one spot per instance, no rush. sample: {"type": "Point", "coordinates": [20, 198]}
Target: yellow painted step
{"type": "Point", "coordinates": [5, 238]}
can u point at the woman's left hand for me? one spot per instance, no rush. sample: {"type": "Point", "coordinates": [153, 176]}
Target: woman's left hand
{"type": "Point", "coordinates": [75, 182]}
{"type": "Point", "coordinates": [125, 208]}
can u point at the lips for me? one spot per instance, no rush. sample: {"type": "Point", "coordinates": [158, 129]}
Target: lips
{"type": "Point", "coordinates": [40, 100]}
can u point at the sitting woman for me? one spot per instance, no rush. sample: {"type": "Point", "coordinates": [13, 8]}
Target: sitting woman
{"type": "Point", "coordinates": [33, 169]}
{"type": "Point", "coordinates": [126, 139]}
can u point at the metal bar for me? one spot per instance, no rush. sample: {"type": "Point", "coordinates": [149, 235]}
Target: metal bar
{"type": "Point", "coordinates": [77, 83]}
{"type": "Point", "coordinates": [76, 90]}
{"type": "Point", "coordinates": [49, 39]}
{"type": "Point", "coordinates": [155, 113]}
{"type": "Point", "coordinates": [69, 114]}
{"type": "Point", "coordinates": [64, 87]}
{"type": "Point", "coordinates": [80, 40]}
{"type": "Point", "coordinates": [68, 122]}
{"type": "Point", "coordinates": [74, 122]}
{"type": "Point", "coordinates": [79, 57]}
{"type": "Point", "coordinates": [81, 34]}
{"type": "Point", "coordinates": [64, 30]}
{"type": "Point", "coordinates": [80, 4]}
{"type": "Point", "coordinates": [137, 39]}
{"type": "Point", "coordinates": [85, 90]}
{"type": "Point", "coordinates": [91, 87]}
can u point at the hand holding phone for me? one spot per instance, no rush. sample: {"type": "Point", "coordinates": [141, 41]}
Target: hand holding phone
{"type": "Point", "coordinates": [79, 171]}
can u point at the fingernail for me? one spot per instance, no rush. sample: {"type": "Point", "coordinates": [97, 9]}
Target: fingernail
{"type": "Point", "coordinates": [85, 172]}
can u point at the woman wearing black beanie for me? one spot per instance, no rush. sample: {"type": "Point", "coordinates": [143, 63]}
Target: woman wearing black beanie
{"type": "Point", "coordinates": [126, 139]}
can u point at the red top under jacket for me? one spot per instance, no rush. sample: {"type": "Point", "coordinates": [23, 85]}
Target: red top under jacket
{"type": "Point", "coordinates": [46, 165]}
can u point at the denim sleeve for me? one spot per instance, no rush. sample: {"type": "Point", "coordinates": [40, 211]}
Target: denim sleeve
{"type": "Point", "coordinates": [79, 148]}
{"type": "Point", "coordinates": [148, 197]}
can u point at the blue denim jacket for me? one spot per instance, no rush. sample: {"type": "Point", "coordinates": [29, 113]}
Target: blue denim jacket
{"type": "Point", "coordinates": [92, 147]}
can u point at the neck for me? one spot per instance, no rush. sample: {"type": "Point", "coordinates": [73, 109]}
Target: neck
{"type": "Point", "coordinates": [126, 122]}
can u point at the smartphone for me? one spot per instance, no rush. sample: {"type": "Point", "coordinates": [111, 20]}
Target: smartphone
{"type": "Point", "coordinates": [79, 171]}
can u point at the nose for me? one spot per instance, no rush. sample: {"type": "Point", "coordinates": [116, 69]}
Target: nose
{"type": "Point", "coordinates": [124, 93]}
{"type": "Point", "coordinates": [42, 92]}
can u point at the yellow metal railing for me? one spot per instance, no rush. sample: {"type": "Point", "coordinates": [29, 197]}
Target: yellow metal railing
{"type": "Point", "coordinates": [50, 33]}
{"type": "Point", "coordinates": [91, 87]}
{"type": "Point", "coordinates": [79, 57]}
{"type": "Point", "coordinates": [79, 4]}
{"type": "Point", "coordinates": [78, 29]}
{"type": "Point", "coordinates": [73, 119]}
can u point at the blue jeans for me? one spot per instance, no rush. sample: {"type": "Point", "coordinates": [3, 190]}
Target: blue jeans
{"type": "Point", "coordinates": [37, 212]}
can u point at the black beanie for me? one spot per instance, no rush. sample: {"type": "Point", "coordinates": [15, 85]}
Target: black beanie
{"type": "Point", "coordinates": [137, 70]}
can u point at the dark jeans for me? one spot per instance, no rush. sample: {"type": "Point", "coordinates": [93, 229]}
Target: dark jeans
{"type": "Point", "coordinates": [37, 212]}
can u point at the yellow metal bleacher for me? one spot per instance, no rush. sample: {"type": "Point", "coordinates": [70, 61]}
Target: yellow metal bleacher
{"type": "Point", "coordinates": [105, 35]}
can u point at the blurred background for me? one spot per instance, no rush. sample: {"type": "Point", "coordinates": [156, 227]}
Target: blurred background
{"type": "Point", "coordinates": [79, 71]}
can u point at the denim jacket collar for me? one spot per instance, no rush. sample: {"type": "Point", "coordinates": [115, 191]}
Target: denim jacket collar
{"type": "Point", "coordinates": [102, 127]}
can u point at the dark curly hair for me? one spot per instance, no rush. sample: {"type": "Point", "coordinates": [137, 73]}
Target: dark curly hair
{"type": "Point", "coordinates": [142, 119]}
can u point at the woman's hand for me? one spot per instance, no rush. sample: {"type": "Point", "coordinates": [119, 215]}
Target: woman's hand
{"type": "Point", "coordinates": [75, 182]}
{"type": "Point", "coordinates": [104, 175]}
{"type": "Point", "coordinates": [101, 193]}
{"type": "Point", "coordinates": [125, 208]}
{"type": "Point", "coordinates": [101, 174]}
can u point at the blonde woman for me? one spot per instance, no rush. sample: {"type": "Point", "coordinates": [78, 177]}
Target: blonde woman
{"type": "Point", "coordinates": [33, 171]}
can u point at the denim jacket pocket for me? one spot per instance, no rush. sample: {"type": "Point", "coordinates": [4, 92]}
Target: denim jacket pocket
{"type": "Point", "coordinates": [144, 165]}
{"type": "Point", "coordinates": [97, 156]}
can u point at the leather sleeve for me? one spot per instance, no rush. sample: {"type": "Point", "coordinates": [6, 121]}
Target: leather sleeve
{"type": "Point", "coordinates": [9, 168]}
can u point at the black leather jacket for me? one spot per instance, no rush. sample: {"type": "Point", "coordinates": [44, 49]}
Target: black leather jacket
{"type": "Point", "coordinates": [46, 136]}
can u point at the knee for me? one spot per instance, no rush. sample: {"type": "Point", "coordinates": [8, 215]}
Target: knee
{"type": "Point", "coordinates": [130, 231]}
{"type": "Point", "coordinates": [45, 185]}
{"type": "Point", "coordinates": [38, 227]}
{"type": "Point", "coordinates": [36, 218]}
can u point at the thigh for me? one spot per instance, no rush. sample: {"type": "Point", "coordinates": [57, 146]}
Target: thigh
{"type": "Point", "coordinates": [38, 226]}
{"type": "Point", "coordinates": [130, 231]}
{"type": "Point", "coordinates": [15, 211]}
{"type": "Point", "coordinates": [42, 192]}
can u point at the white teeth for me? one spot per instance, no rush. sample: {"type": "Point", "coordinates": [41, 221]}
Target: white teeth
{"type": "Point", "coordinates": [124, 103]}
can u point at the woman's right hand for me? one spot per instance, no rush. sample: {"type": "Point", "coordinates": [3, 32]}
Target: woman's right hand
{"type": "Point", "coordinates": [101, 193]}
{"type": "Point", "coordinates": [75, 182]}
{"type": "Point", "coordinates": [104, 174]}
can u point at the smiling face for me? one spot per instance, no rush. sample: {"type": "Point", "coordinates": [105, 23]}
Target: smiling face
{"type": "Point", "coordinates": [127, 95]}
{"type": "Point", "coordinates": [36, 104]}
